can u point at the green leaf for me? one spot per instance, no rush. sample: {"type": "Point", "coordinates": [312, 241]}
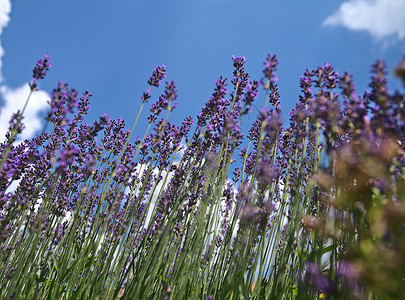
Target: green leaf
{"type": "Point", "coordinates": [329, 248]}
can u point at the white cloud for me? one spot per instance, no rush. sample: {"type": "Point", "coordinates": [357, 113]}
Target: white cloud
{"type": "Point", "coordinates": [380, 18]}
{"type": "Point", "coordinates": [13, 99]}
{"type": "Point", "coordinates": [5, 9]}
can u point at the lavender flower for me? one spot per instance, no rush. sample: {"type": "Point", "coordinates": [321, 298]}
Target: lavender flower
{"type": "Point", "coordinates": [158, 74]}
{"type": "Point", "coordinates": [269, 71]}
{"type": "Point", "coordinates": [67, 157]}
{"type": "Point", "coordinates": [84, 212]}
{"type": "Point", "coordinates": [314, 277]}
{"type": "Point", "coordinates": [250, 95]}
{"type": "Point", "coordinates": [217, 102]}
{"type": "Point", "coordinates": [240, 78]}
{"type": "Point", "coordinates": [41, 68]}
{"type": "Point", "coordinates": [145, 97]}
{"type": "Point", "coordinates": [84, 103]}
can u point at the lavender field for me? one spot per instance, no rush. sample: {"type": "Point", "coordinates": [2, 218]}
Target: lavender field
{"type": "Point", "coordinates": [309, 208]}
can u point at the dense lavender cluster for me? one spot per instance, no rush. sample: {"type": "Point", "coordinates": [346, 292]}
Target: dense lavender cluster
{"type": "Point", "coordinates": [310, 209]}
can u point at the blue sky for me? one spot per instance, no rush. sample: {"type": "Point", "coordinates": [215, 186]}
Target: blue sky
{"type": "Point", "coordinates": [111, 47]}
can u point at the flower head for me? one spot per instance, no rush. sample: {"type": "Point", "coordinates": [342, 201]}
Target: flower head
{"type": "Point", "coordinates": [40, 70]}
{"type": "Point", "coordinates": [158, 74]}
{"type": "Point", "coordinates": [270, 67]}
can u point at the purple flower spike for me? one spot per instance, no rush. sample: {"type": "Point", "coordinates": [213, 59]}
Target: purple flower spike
{"type": "Point", "coordinates": [158, 74]}
{"type": "Point", "coordinates": [315, 278]}
{"type": "Point", "coordinates": [251, 95]}
{"type": "Point", "coordinates": [240, 77]}
{"type": "Point", "coordinates": [67, 157]}
{"type": "Point", "coordinates": [170, 94]}
{"type": "Point", "coordinates": [145, 97]}
{"type": "Point", "coordinates": [39, 72]}
{"type": "Point", "coordinates": [270, 67]}
{"type": "Point", "coordinates": [42, 67]}
{"type": "Point", "coordinates": [84, 105]}
{"type": "Point", "coordinates": [238, 62]}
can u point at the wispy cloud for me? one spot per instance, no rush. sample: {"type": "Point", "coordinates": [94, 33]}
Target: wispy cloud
{"type": "Point", "coordinates": [13, 99]}
{"type": "Point", "coordinates": [380, 18]}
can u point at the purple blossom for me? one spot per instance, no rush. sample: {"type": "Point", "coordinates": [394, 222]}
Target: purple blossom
{"type": "Point", "coordinates": [84, 104]}
{"type": "Point", "coordinates": [157, 108]}
{"type": "Point", "coordinates": [145, 97]}
{"type": "Point", "coordinates": [170, 91]}
{"type": "Point", "coordinates": [327, 77]}
{"type": "Point", "coordinates": [216, 103]}
{"type": "Point", "coordinates": [231, 129]}
{"type": "Point", "coordinates": [15, 126]}
{"type": "Point", "coordinates": [270, 67]}
{"type": "Point", "coordinates": [41, 68]}
{"type": "Point", "coordinates": [158, 74]}
{"type": "Point", "coordinates": [273, 127]}
{"type": "Point", "coordinates": [313, 276]}
{"type": "Point", "coordinates": [306, 82]}
{"type": "Point", "coordinates": [115, 136]}
{"type": "Point", "coordinates": [67, 157]}
{"type": "Point", "coordinates": [266, 173]}
{"type": "Point", "coordinates": [63, 101]}
{"type": "Point", "coordinates": [250, 95]}
{"type": "Point", "coordinates": [236, 174]}
{"type": "Point", "coordinates": [240, 78]}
